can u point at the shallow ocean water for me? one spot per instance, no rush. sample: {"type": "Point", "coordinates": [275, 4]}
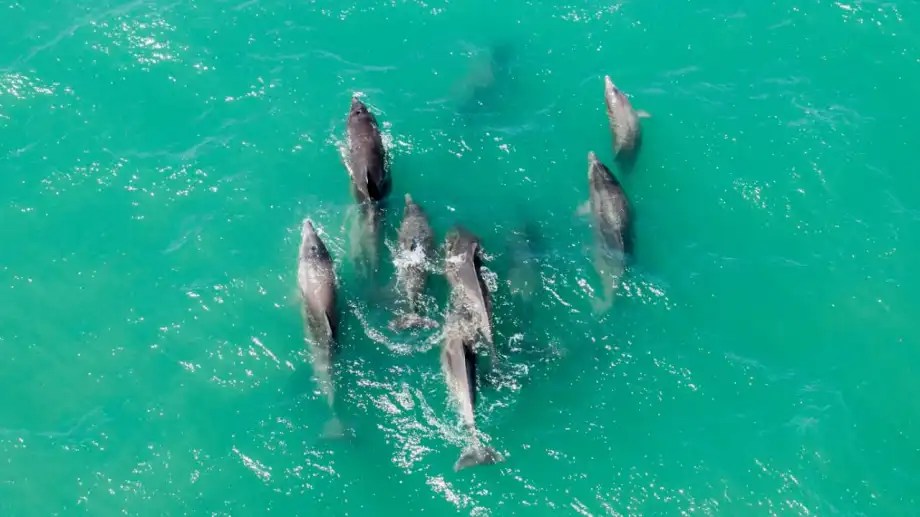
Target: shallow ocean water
{"type": "Point", "coordinates": [158, 158]}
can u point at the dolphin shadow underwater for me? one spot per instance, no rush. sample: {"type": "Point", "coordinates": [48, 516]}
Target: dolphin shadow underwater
{"type": "Point", "coordinates": [522, 295]}
{"type": "Point", "coordinates": [486, 82]}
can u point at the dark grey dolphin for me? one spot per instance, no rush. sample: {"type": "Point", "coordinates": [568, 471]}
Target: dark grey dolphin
{"type": "Point", "coordinates": [413, 261]}
{"type": "Point", "coordinates": [458, 361]}
{"type": "Point", "coordinates": [462, 267]}
{"type": "Point", "coordinates": [317, 282]}
{"type": "Point", "coordinates": [624, 122]}
{"type": "Point", "coordinates": [610, 210]}
{"type": "Point", "coordinates": [366, 158]}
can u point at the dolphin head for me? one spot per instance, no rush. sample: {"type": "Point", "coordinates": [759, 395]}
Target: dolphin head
{"type": "Point", "coordinates": [461, 241]}
{"type": "Point", "coordinates": [412, 209]}
{"type": "Point", "coordinates": [598, 173]}
{"type": "Point", "coordinates": [358, 109]}
{"type": "Point", "coordinates": [311, 246]}
{"type": "Point", "coordinates": [463, 250]}
{"type": "Point", "coordinates": [307, 229]}
{"type": "Point", "coordinates": [611, 92]}
{"type": "Point", "coordinates": [593, 165]}
{"type": "Point", "coordinates": [617, 101]}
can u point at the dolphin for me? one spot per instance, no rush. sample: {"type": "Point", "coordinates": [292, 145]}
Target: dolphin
{"type": "Point", "coordinates": [523, 272]}
{"type": "Point", "coordinates": [317, 282]}
{"type": "Point", "coordinates": [462, 267]}
{"type": "Point", "coordinates": [458, 362]}
{"type": "Point", "coordinates": [416, 248]}
{"type": "Point", "coordinates": [624, 123]}
{"type": "Point", "coordinates": [366, 158]}
{"type": "Point", "coordinates": [483, 81]}
{"type": "Point", "coordinates": [610, 209]}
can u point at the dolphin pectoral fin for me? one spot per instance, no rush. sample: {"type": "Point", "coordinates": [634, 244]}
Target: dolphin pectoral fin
{"type": "Point", "coordinates": [477, 455]}
{"type": "Point", "coordinates": [583, 209]}
{"type": "Point", "coordinates": [643, 114]}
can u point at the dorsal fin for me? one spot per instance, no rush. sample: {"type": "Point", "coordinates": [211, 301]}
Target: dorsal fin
{"type": "Point", "coordinates": [365, 182]}
{"type": "Point", "coordinates": [328, 321]}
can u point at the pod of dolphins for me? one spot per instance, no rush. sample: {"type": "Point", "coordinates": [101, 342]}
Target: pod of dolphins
{"type": "Point", "coordinates": [468, 322]}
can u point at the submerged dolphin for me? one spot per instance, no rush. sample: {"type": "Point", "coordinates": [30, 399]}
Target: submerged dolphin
{"type": "Point", "coordinates": [365, 236]}
{"type": "Point", "coordinates": [317, 283]}
{"type": "Point", "coordinates": [462, 267]}
{"type": "Point", "coordinates": [624, 123]}
{"type": "Point", "coordinates": [416, 249]}
{"type": "Point", "coordinates": [458, 362]}
{"type": "Point", "coordinates": [612, 223]}
{"type": "Point", "coordinates": [523, 272]}
{"type": "Point", "coordinates": [482, 84]}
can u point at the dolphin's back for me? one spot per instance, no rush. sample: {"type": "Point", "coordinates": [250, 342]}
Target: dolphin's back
{"type": "Point", "coordinates": [624, 121]}
{"type": "Point", "coordinates": [459, 363]}
{"type": "Point", "coordinates": [613, 219]}
{"type": "Point", "coordinates": [415, 233]}
{"type": "Point", "coordinates": [316, 280]}
{"type": "Point", "coordinates": [611, 208]}
{"type": "Point", "coordinates": [367, 156]}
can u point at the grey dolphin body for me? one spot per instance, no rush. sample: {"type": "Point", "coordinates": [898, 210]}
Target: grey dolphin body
{"type": "Point", "coordinates": [612, 223]}
{"type": "Point", "coordinates": [366, 159]}
{"type": "Point", "coordinates": [624, 123]}
{"type": "Point", "coordinates": [458, 361]}
{"type": "Point", "coordinates": [317, 283]}
{"type": "Point", "coordinates": [367, 219]}
{"type": "Point", "coordinates": [366, 162]}
{"type": "Point", "coordinates": [416, 249]}
{"type": "Point", "coordinates": [462, 267]}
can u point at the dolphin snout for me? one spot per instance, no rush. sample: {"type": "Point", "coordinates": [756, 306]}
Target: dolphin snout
{"type": "Point", "coordinates": [307, 228]}
{"type": "Point", "coordinates": [592, 163]}
{"type": "Point", "coordinates": [608, 83]}
{"type": "Point", "coordinates": [408, 199]}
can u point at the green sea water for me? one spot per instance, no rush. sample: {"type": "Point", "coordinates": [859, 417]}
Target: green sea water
{"type": "Point", "coordinates": [157, 159]}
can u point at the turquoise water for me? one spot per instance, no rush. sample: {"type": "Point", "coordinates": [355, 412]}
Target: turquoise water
{"type": "Point", "coordinates": [158, 157]}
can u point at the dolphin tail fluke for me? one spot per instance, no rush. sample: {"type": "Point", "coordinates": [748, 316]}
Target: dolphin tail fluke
{"type": "Point", "coordinates": [477, 455]}
{"type": "Point", "coordinates": [334, 429]}
{"type": "Point", "coordinates": [413, 321]}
